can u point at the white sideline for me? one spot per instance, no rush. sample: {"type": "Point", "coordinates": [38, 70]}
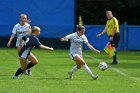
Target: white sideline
{"type": "Point", "coordinates": [113, 68]}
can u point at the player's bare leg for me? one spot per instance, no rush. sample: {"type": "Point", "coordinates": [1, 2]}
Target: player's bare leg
{"type": "Point", "coordinates": [80, 60]}
{"type": "Point", "coordinates": [33, 61]}
{"type": "Point", "coordinates": [27, 72]}
{"type": "Point", "coordinates": [23, 67]}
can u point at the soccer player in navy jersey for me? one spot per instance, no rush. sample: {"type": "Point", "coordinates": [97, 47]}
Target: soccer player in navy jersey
{"type": "Point", "coordinates": [25, 52]}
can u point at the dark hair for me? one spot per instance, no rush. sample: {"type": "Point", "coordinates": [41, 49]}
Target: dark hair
{"type": "Point", "coordinates": [110, 11]}
{"type": "Point", "coordinates": [79, 27]}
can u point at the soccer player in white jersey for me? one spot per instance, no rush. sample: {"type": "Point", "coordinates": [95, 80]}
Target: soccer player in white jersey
{"type": "Point", "coordinates": [77, 39]}
{"type": "Point", "coordinates": [20, 29]}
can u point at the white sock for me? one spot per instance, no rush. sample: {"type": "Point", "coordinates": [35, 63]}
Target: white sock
{"type": "Point", "coordinates": [87, 69]}
{"type": "Point", "coordinates": [73, 69]}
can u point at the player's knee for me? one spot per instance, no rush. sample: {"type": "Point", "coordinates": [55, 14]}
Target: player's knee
{"type": "Point", "coordinates": [24, 68]}
{"type": "Point", "coordinates": [36, 62]}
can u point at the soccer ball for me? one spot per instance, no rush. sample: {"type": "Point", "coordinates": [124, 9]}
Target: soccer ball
{"type": "Point", "coordinates": [102, 66]}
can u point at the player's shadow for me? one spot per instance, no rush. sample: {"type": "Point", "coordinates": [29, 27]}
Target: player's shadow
{"type": "Point", "coordinates": [55, 78]}
{"type": "Point", "coordinates": [119, 65]}
{"type": "Point", "coordinates": [127, 65]}
{"type": "Point", "coordinates": [61, 65]}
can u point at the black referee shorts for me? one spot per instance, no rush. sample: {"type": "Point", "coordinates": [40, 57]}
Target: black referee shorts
{"type": "Point", "coordinates": [115, 41]}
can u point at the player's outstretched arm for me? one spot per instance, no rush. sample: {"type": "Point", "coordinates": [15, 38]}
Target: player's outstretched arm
{"type": "Point", "coordinates": [45, 47]}
{"type": "Point", "coordinates": [64, 39]}
{"type": "Point", "coordinates": [10, 40]}
{"type": "Point", "coordinates": [104, 31]}
{"type": "Point", "coordinates": [92, 48]}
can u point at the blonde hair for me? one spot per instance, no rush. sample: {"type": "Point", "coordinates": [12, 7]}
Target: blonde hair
{"type": "Point", "coordinates": [35, 28]}
{"type": "Point", "coordinates": [23, 15]}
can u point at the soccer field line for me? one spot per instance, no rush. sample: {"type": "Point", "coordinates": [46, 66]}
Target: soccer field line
{"type": "Point", "coordinates": [113, 68]}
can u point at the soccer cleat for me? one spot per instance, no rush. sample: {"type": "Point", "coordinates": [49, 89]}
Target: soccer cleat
{"type": "Point", "coordinates": [95, 77]}
{"type": "Point", "coordinates": [15, 77]}
{"type": "Point", "coordinates": [70, 75]}
{"type": "Point", "coordinates": [29, 73]}
{"type": "Point", "coordinates": [114, 63]}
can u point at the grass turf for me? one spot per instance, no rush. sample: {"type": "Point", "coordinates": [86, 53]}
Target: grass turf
{"type": "Point", "coordinates": [50, 75]}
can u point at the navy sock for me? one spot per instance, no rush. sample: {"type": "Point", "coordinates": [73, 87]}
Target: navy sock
{"type": "Point", "coordinates": [30, 65]}
{"type": "Point", "coordinates": [19, 71]}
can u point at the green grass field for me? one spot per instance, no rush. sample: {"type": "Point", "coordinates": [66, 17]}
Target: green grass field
{"type": "Point", "coordinates": [50, 75]}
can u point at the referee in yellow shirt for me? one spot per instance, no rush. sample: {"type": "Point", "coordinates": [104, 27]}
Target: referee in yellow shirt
{"type": "Point", "coordinates": [112, 30]}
